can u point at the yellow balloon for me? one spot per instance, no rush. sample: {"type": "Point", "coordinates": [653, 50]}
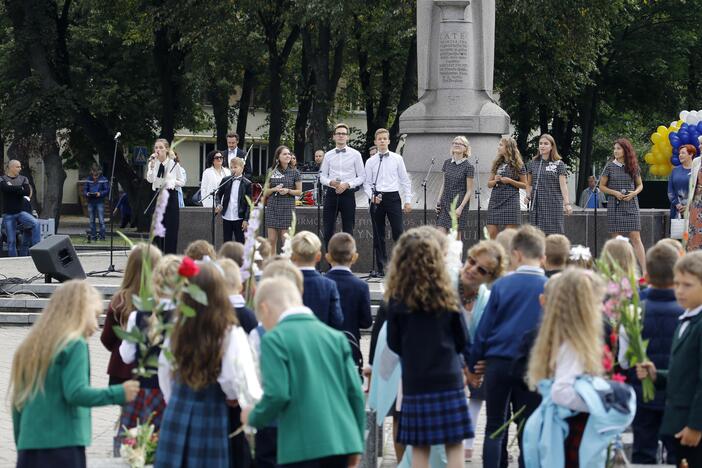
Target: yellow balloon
{"type": "Point", "coordinates": [656, 150]}
{"type": "Point", "coordinates": [654, 170]}
{"type": "Point", "coordinates": [649, 158]}
{"type": "Point", "coordinates": [656, 138]}
{"type": "Point", "coordinates": [667, 170]}
{"type": "Point", "coordinates": [680, 122]}
{"type": "Point", "coordinates": [663, 130]}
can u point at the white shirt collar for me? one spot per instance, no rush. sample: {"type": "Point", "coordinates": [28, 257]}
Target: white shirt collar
{"type": "Point", "coordinates": [530, 269]}
{"type": "Point", "coordinates": [307, 268]}
{"type": "Point", "coordinates": [618, 163]}
{"type": "Point", "coordinates": [237, 300]}
{"type": "Point", "coordinates": [460, 161]}
{"type": "Point", "coordinates": [341, 268]}
{"type": "Point", "coordinates": [690, 313]}
{"type": "Point", "coordinates": [295, 311]}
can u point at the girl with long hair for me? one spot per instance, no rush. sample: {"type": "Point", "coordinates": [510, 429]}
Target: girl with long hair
{"type": "Point", "coordinates": [50, 387]}
{"type": "Point", "coordinates": [619, 253]}
{"type": "Point", "coordinates": [205, 348]}
{"type": "Point", "coordinates": [621, 182]}
{"type": "Point", "coordinates": [457, 182]}
{"type": "Point", "coordinates": [507, 176]}
{"type": "Point", "coordinates": [165, 173]}
{"type": "Point", "coordinates": [423, 308]}
{"type": "Point", "coordinates": [569, 344]}
{"type": "Point", "coordinates": [285, 185]}
{"type": "Point", "coordinates": [546, 188]}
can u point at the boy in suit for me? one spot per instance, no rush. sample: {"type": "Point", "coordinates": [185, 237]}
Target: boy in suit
{"type": "Point", "coordinates": [504, 337]}
{"type": "Point", "coordinates": [353, 293]}
{"type": "Point", "coordinates": [320, 294]}
{"type": "Point", "coordinates": [231, 202]}
{"type": "Point", "coordinates": [682, 417]}
{"type": "Point", "coordinates": [659, 323]}
{"type": "Point", "coordinates": [318, 402]}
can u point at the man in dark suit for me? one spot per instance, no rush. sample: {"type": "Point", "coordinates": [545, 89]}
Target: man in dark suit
{"type": "Point", "coordinates": [233, 151]}
{"type": "Point", "coordinates": [319, 293]}
{"type": "Point", "coordinates": [232, 203]}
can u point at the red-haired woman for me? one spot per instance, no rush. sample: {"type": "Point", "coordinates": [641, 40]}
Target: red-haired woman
{"type": "Point", "coordinates": [621, 182]}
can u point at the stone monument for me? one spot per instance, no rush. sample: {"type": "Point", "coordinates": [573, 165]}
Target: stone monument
{"type": "Point", "coordinates": [455, 48]}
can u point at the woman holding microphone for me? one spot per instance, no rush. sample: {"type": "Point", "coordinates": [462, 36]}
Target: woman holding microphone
{"type": "Point", "coordinates": [164, 173]}
{"type": "Point", "coordinates": [285, 184]}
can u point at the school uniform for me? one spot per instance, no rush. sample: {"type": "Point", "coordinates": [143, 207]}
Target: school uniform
{"type": "Point", "coordinates": [683, 398]}
{"type": "Point", "coordinates": [455, 174]}
{"type": "Point", "coordinates": [622, 216]}
{"type": "Point", "coordinates": [434, 407]}
{"type": "Point", "coordinates": [341, 165]}
{"type": "Point", "coordinates": [279, 208]}
{"type": "Point", "coordinates": [245, 316]}
{"type": "Point", "coordinates": [168, 175]}
{"type": "Point", "coordinates": [503, 208]}
{"type": "Point", "coordinates": [56, 424]}
{"type": "Point", "coordinates": [118, 371]}
{"type": "Point", "coordinates": [512, 313]}
{"type": "Point", "coordinates": [386, 176]}
{"type": "Point", "coordinates": [321, 295]}
{"type": "Point", "coordinates": [546, 210]}
{"type": "Point", "coordinates": [311, 387]}
{"type": "Point", "coordinates": [232, 197]}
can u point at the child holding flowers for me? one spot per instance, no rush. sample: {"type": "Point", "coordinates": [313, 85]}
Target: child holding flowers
{"type": "Point", "coordinates": [50, 381]}
{"type": "Point", "coordinates": [682, 417]}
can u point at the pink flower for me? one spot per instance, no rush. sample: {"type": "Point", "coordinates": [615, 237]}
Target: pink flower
{"type": "Point", "coordinates": [626, 288]}
{"type": "Point", "coordinates": [129, 441]}
{"type": "Point", "coordinates": [609, 308]}
{"type": "Point", "coordinates": [159, 229]}
{"type": "Point", "coordinates": [613, 288]}
{"type": "Point", "coordinates": [619, 378]}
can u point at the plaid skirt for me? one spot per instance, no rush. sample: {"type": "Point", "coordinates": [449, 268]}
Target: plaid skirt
{"type": "Point", "coordinates": [434, 418]}
{"type": "Point", "coordinates": [148, 401]}
{"type": "Point", "coordinates": [194, 430]}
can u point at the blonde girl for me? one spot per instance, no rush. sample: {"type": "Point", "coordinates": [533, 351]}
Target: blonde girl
{"type": "Point", "coordinates": [457, 183]}
{"type": "Point", "coordinates": [50, 381]}
{"type": "Point", "coordinates": [507, 177]}
{"type": "Point", "coordinates": [165, 173]}
{"type": "Point", "coordinates": [423, 308]}
{"type": "Point", "coordinates": [619, 252]}
{"type": "Point", "coordinates": [569, 344]}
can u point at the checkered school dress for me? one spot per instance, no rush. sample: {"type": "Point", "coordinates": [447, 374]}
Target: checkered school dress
{"type": "Point", "coordinates": [434, 418]}
{"type": "Point", "coordinates": [622, 216]}
{"type": "Point", "coordinates": [148, 403]}
{"type": "Point", "coordinates": [455, 176]}
{"type": "Point", "coordinates": [503, 208]}
{"type": "Point", "coordinates": [195, 429]}
{"type": "Point", "coordinates": [546, 211]}
{"type": "Point", "coordinates": [279, 208]}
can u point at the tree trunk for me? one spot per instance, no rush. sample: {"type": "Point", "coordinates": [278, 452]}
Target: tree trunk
{"type": "Point", "coordinates": [54, 176]}
{"type": "Point", "coordinates": [247, 89]}
{"type": "Point", "coordinates": [219, 98]}
{"type": "Point", "coordinates": [588, 115]}
{"type": "Point", "coordinates": [408, 92]}
{"type": "Point", "coordinates": [304, 105]}
{"type": "Point", "coordinates": [523, 123]}
{"type": "Point", "coordinates": [169, 60]}
{"type": "Point", "coordinates": [275, 118]}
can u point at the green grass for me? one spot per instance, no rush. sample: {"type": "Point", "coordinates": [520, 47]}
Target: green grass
{"type": "Point", "coordinates": [82, 240]}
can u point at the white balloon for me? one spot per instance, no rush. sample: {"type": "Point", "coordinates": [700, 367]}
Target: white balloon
{"type": "Point", "coordinates": [683, 115]}
{"type": "Point", "coordinates": [674, 123]}
{"type": "Point", "coordinates": [691, 119]}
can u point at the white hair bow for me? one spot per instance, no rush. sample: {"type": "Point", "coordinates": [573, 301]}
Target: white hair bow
{"type": "Point", "coordinates": [580, 252]}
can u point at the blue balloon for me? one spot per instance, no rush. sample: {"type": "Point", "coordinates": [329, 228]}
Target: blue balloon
{"type": "Point", "coordinates": [675, 161]}
{"type": "Point", "coordinates": [675, 140]}
{"type": "Point", "coordinates": [694, 137]}
{"type": "Point", "coordinates": [684, 126]}
{"type": "Point", "coordinates": [672, 136]}
{"type": "Point", "coordinates": [676, 151]}
{"type": "Point", "coordinates": [699, 126]}
{"type": "Point", "coordinates": [684, 136]}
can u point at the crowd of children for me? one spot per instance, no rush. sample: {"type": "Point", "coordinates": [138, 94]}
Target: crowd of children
{"type": "Point", "coordinates": [528, 310]}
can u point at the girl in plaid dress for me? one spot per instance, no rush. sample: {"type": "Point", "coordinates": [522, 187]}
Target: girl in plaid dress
{"type": "Point", "coordinates": [285, 185]}
{"type": "Point", "coordinates": [547, 192]}
{"type": "Point", "coordinates": [507, 177]}
{"type": "Point", "coordinates": [149, 403]}
{"type": "Point", "coordinates": [569, 344]}
{"type": "Point", "coordinates": [457, 182]}
{"type": "Point", "coordinates": [423, 308]}
{"type": "Point", "coordinates": [206, 349]}
{"type": "Point", "coordinates": [621, 182]}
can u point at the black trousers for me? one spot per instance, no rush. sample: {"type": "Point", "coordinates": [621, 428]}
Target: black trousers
{"type": "Point", "coordinates": [646, 426]}
{"type": "Point", "coordinates": [333, 204]}
{"type": "Point", "coordinates": [171, 221]}
{"type": "Point", "coordinates": [501, 388]}
{"type": "Point", "coordinates": [239, 450]}
{"type": "Point", "coordinates": [266, 447]}
{"type": "Point", "coordinates": [65, 457]}
{"type": "Point", "coordinates": [232, 229]}
{"type": "Point", "coordinates": [337, 461]}
{"type": "Point", "coordinates": [390, 206]}
{"type": "Point", "coordinates": [693, 455]}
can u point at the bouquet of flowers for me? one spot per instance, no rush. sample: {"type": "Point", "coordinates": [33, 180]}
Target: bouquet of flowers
{"type": "Point", "coordinates": [307, 199]}
{"type": "Point", "coordinates": [139, 445]}
{"type": "Point", "coordinates": [624, 312]}
{"type": "Point", "coordinates": [455, 247]}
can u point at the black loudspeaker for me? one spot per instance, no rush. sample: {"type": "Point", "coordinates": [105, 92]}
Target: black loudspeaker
{"type": "Point", "coordinates": [56, 258]}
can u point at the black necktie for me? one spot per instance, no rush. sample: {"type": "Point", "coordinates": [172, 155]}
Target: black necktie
{"type": "Point", "coordinates": [384, 155]}
{"type": "Point", "coordinates": [237, 178]}
{"type": "Point", "coordinates": [342, 150]}
{"type": "Point", "coordinates": [161, 170]}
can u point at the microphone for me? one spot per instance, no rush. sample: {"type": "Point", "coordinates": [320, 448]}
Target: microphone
{"type": "Point", "coordinates": [119, 134]}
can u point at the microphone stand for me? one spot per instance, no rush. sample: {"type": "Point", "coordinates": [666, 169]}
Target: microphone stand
{"type": "Point", "coordinates": [596, 192]}
{"type": "Point", "coordinates": [477, 197]}
{"type": "Point", "coordinates": [424, 187]}
{"type": "Point", "coordinates": [533, 202]}
{"type": "Point", "coordinates": [318, 199]}
{"type": "Point", "coordinates": [111, 268]}
{"type": "Point", "coordinates": [373, 274]}
{"type": "Point", "coordinates": [212, 194]}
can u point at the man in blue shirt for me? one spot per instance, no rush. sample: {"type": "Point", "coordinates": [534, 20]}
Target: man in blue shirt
{"type": "Point", "coordinates": [588, 198]}
{"type": "Point", "coordinates": [14, 188]}
{"type": "Point", "coordinates": [96, 189]}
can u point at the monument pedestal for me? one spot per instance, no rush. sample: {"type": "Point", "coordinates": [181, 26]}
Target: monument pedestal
{"type": "Point", "coordinates": [455, 63]}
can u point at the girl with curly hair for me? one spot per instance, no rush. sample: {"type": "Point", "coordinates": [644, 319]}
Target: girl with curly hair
{"type": "Point", "coordinates": [423, 308]}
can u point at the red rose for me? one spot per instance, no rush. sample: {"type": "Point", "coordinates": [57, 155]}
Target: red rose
{"type": "Point", "coordinates": [188, 268]}
{"type": "Point", "coordinates": [619, 378]}
{"type": "Point", "coordinates": [607, 359]}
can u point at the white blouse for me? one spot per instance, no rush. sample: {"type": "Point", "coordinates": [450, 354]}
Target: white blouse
{"type": "Point", "coordinates": [568, 367]}
{"type": "Point", "coordinates": [238, 378]}
{"type": "Point", "coordinates": [210, 181]}
{"type": "Point", "coordinates": [172, 176]}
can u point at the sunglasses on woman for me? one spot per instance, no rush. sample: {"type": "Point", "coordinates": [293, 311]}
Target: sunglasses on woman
{"type": "Point", "coordinates": [481, 270]}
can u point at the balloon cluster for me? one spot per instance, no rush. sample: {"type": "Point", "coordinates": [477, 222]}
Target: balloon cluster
{"type": "Point", "coordinates": [668, 140]}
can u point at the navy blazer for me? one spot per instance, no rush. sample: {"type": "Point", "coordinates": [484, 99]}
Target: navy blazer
{"type": "Point", "coordinates": [355, 301]}
{"type": "Point", "coordinates": [321, 295]}
{"type": "Point", "coordinates": [224, 193]}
